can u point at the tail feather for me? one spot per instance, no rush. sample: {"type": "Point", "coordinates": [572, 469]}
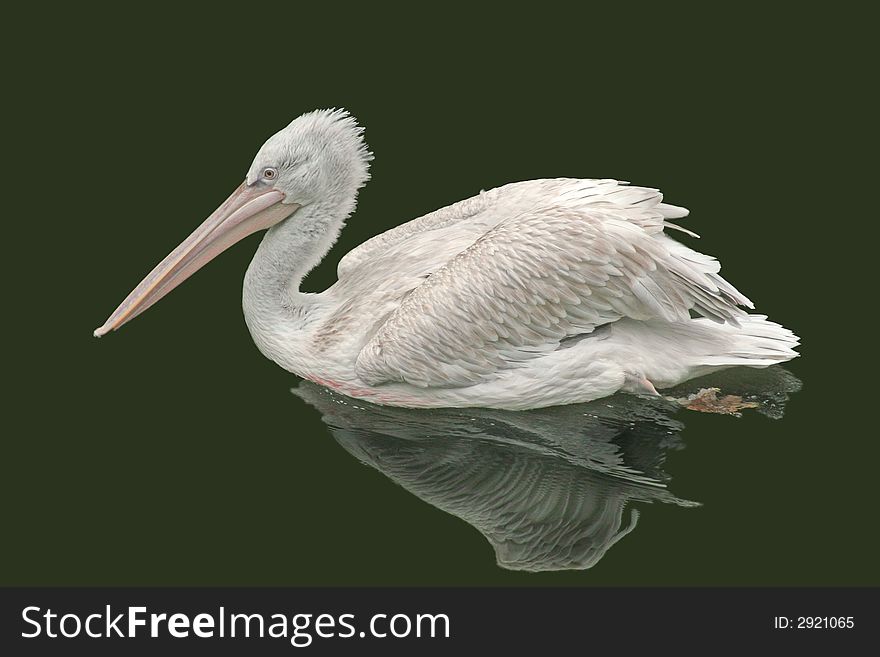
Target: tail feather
{"type": "Point", "coordinates": [669, 353]}
{"type": "Point", "coordinates": [758, 342]}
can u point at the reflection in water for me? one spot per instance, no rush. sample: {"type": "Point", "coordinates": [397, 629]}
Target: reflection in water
{"type": "Point", "coordinates": [548, 488]}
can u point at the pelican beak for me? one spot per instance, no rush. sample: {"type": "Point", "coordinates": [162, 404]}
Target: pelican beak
{"type": "Point", "coordinates": [247, 210]}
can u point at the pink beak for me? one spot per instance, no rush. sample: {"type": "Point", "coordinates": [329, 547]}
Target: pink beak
{"type": "Point", "coordinates": [247, 210]}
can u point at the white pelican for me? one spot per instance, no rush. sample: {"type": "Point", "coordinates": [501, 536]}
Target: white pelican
{"type": "Point", "coordinates": [533, 294]}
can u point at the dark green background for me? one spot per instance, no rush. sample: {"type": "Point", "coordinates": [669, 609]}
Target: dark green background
{"type": "Point", "coordinates": [173, 453]}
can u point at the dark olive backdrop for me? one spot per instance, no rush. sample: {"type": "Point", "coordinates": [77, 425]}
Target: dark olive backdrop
{"type": "Point", "coordinates": [172, 452]}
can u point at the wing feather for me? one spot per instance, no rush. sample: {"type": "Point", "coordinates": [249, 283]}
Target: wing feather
{"type": "Point", "coordinates": [503, 277]}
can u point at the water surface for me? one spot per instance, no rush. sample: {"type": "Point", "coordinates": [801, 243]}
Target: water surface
{"type": "Point", "coordinates": [550, 489]}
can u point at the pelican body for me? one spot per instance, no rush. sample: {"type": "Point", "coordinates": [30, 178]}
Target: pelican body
{"type": "Point", "coordinates": [533, 294]}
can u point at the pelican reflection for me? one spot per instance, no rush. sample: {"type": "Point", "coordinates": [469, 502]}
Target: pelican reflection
{"type": "Point", "coordinates": [550, 489]}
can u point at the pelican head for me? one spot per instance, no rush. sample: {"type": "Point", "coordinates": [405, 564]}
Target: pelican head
{"type": "Point", "coordinates": [319, 156]}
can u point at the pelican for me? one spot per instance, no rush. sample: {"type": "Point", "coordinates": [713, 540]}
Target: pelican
{"type": "Point", "coordinates": [537, 293]}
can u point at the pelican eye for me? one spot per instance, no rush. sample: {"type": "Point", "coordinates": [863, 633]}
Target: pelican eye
{"type": "Point", "coordinates": [270, 173]}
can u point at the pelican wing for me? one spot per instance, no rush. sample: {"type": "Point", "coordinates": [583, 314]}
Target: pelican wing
{"type": "Point", "coordinates": [433, 239]}
{"type": "Point", "coordinates": [535, 275]}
